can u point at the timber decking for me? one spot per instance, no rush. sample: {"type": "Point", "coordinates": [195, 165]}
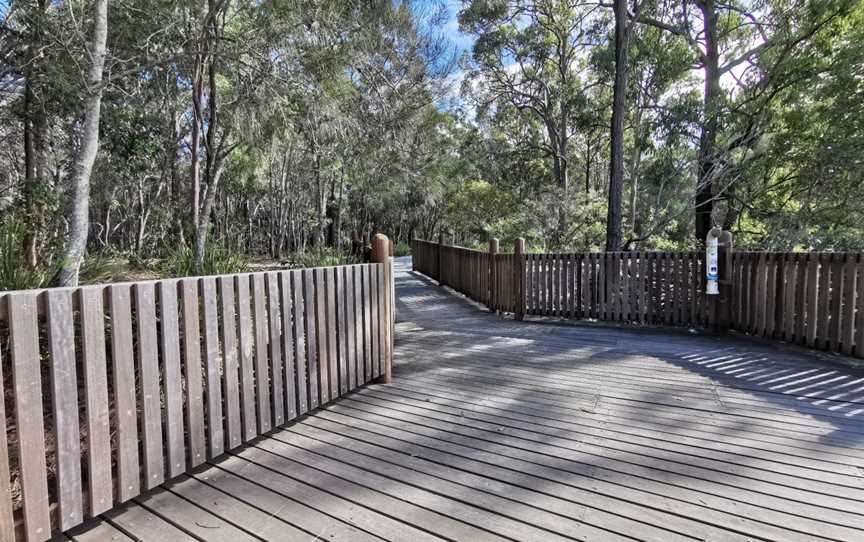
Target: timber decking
{"type": "Point", "coordinates": [502, 430]}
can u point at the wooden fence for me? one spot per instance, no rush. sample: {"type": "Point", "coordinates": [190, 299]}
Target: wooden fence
{"type": "Point", "coordinates": [112, 390]}
{"type": "Point", "coordinates": [812, 299]}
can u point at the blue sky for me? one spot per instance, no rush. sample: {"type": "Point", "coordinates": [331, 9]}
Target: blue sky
{"type": "Point", "coordinates": [462, 42]}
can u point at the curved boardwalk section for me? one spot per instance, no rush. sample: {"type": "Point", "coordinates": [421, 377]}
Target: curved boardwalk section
{"type": "Point", "coordinates": [502, 430]}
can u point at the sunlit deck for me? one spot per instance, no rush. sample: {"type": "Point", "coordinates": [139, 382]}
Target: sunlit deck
{"type": "Point", "coordinates": [503, 430]}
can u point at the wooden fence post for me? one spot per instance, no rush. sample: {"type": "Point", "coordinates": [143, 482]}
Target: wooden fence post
{"type": "Point", "coordinates": [490, 293]}
{"type": "Point", "coordinates": [519, 278]}
{"type": "Point", "coordinates": [381, 254]}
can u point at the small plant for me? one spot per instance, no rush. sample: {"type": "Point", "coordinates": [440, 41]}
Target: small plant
{"type": "Point", "coordinates": [180, 262]}
{"type": "Point", "coordinates": [326, 257]}
{"type": "Point", "coordinates": [402, 249]}
{"type": "Point", "coordinates": [15, 274]}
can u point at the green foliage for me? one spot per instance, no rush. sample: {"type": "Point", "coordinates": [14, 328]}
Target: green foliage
{"type": "Point", "coordinates": [476, 208]}
{"type": "Point", "coordinates": [402, 248]}
{"type": "Point", "coordinates": [180, 262]}
{"type": "Point", "coordinates": [15, 274]}
{"type": "Point", "coordinates": [327, 257]}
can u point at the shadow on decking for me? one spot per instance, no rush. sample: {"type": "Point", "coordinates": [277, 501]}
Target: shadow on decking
{"type": "Point", "coordinates": [744, 379]}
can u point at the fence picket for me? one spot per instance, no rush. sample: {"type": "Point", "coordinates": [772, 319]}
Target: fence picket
{"type": "Point", "coordinates": [64, 395]}
{"type": "Point", "coordinates": [274, 317]}
{"type": "Point", "coordinates": [27, 385]}
{"type": "Point", "coordinates": [125, 407]}
{"type": "Point", "coordinates": [230, 375]}
{"type": "Point", "coordinates": [148, 375]}
{"type": "Point", "coordinates": [7, 522]}
{"type": "Point", "coordinates": [247, 357]}
{"type": "Point", "coordinates": [99, 482]}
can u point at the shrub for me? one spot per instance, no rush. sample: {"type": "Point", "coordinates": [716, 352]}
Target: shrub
{"type": "Point", "coordinates": [402, 249]}
{"type": "Point", "coordinates": [15, 274]}
{"type": "Point", "coordinates": [180, 262]}
{"type": "Point", "coordinates": [326, 257]}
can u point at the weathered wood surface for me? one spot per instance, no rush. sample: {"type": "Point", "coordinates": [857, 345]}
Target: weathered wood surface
{"type": "Point", "coordinates": [500, 430]}
{"type": "Point", "coordinates": [111, 391]}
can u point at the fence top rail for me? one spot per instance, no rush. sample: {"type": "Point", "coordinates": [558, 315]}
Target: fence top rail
{"type": "Point", "coordinates": [736, 252]}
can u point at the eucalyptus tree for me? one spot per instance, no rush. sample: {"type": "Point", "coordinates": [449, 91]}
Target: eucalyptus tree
{"type": "Point", "coordinates": [744, 50]}
{"type": "Point", "coordinates": [528, 56]}
{"type": "Point", "coordinates": [79, 213]}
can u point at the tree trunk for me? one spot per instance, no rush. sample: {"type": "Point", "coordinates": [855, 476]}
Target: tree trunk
{"type": "Point", "coordinates": [195, 143]}
{"type": "Point", "coordinates": [34, 143]}
{"type": "Point", "coordinates": [86, 156]}
{"type": "Point", "coordinates": [708, 137]}
{"type": "Point", "coordinates": [619, 111]}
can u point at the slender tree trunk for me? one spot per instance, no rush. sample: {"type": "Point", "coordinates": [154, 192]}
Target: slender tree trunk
{"type": "Point", "coordinates": [34, 142]}
{"type": "Point", "coordinates": [619, 111]}
{"type": "Point", "coordinates": [195, 143]}
{"type": "Point", "coordinates": [708, 137]}
{"type": "Point", "coordinates": [86, 156]}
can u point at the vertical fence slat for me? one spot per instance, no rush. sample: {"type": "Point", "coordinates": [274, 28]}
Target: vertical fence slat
{"type": "Point", "coordinates": [342, 329]}
{"type": "Point", "coordinates": [274, 318]}
{"type": "Point", "coordinates": [27, 385]}
{"type": "Point", "coordinates": [169, 346]}
{"type": "Point", "coordinates": [332, 350]}
{"type": "Point", "coordinates": [150, 393]}
{"type": "Point", "coordinates": [192, 372]}
{"type": "Point", "coordinates": [215, 431]}
{"type": "Point", "coordinates": [290, 371]}
{"type": "Point", "coordinates": [375, 319]}
{"type": "Point", "coordinates": [847, 318]}
{"type": "Point", "coordinates": [125, 407]}
{"type": "Point", "coordinates": [836, 301]}
{"type": "Point", "coordinates": [300, 344]}
{"type": "Point", "coordinates": [367, 324]}
{"type": "Point", "coordinates": [247, 362]}
{"type": "Point", "coordinates": [311, 338]}
{"type": "Point", "coordinates": [230, 377]}
{"type": "Point", "coordinates": [262, 372]}
{"type": "Point", "coordinates": [823, 333]}
{"type": "Point", "coordinates": [7, 523]}
{"type": "Point", "coordinates": [321, 335]}
{"type": "Point", "coordinates": [64, 399]}
{"type": "Point", "coordinates": [859, 333]}
{"type": "Point", "coordinates": [800, 297]}
{"type": "Point", "coordinates": [351, 327]}
{"type": "Point", "coordinates": [99, 481]}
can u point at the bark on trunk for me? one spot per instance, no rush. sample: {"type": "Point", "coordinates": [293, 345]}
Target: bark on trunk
{"type": "Point", "coordinates": [708, 137]}
{"type": "Point", "coordinates": [619, 110]}
{"type": "Point", "coordinates": [86, 156]}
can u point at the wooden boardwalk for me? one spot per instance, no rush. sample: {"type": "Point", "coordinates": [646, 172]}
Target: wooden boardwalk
{"type": "Point", "coordinates": [502, 430]}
